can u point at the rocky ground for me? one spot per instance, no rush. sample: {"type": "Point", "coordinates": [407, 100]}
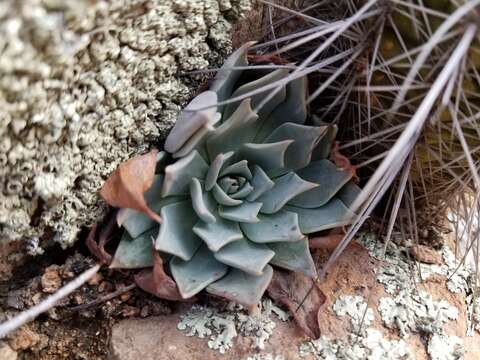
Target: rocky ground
{"type": "Point", "coordinates": [408, 316]}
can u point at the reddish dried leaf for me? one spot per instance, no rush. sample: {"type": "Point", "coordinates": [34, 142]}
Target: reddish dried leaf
{"type": "Point", "coordinates": [98, 249]}
{"type": "Point", "coordinates": [342, 162]}
{"type": "Point", "coordinates": [267, 59]}
{"type": "Point", "coordinates": [302, 297]}
{"type": "Point", "coordinates": [155, 281]}
{"type": "Point", "coordinates": [327, 242]}
{"type": "Point", "coordinates": [126, 185]}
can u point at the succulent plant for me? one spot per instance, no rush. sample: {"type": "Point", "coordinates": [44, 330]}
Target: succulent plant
{"type": "Point", "coordinates": [239, 187]}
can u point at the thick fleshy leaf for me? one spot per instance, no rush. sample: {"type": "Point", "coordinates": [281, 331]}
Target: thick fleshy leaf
{"type": "Point", "coordinates": [294, 256]}
{"type": "Point", "coordinates": [191, 122]}
{"type": "Point", "coordinates": [260, 183]}
{"type": "Point", "coordinates": [162, 160]}
{"type": "Point", "coordinates": [237, 130]}
{"type": "Point", "coordinates": [157, 282]}
{"type": "Point", "coordinates": [245, 190]}
{"type": "Point", "coordinates": [194, 275]}
{"type": "Point", "coordinates": [222, 198]}
{"type": "Point", "coordinates": [330, 178]}
{"type": "Point", "coordinates": [286, 188]}
{"type": "Point", "coordinates": [226, 78]}
{"type": "Point", "coordinates": [126, 186]}
{"type": "Point", "coordinates": [218, 234]}
{"type": "Point", "coordinates": [292, 110]}
{"type": "Point", "coordinates": [305, 138]}
{"type": "Point", "coordinates": [176, 236]}
{"type": "Point", "coordinates": [330, 215]}
{"type": "Point", "coordinates": [245, 255]}
{"type": "Point", "coordinates": [258, 99]}
{"type": "Point", "coordinates": [244, 213]}
{"type": "Point", "coordinates": [241, 287]}
{"type": "Point", "coordinates": [324, 146]}
{"type": "Point", "coordinates": [349, 193]}
{"type": "Point", "coordinates": [294, 289]}
{"type": "Point", "coordinates": [197, 141]}
{"type": "Point", "coordinates": [281, 226]}
{"type": "Point", "coordinates": [178, 175]}
{"type": "Point", "coordinates": [134, 253]}
{"type": "Point", "coordinates": [239, 168]}
{"type": "Point", "coordinates": [214, 169]}
{"type": "Point", "coordinates": [268, 156]}
{"type": "Point", "coordinates": [136, 223]}
{"type": "Point", "coordinates": [201, 201]}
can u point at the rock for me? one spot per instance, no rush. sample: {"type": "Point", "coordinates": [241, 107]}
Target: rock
{"type": "Point", "coordinates": [7, 353]}
{"type": "Point", "coordinates": [425, 254]}
{"type": "Point", "coordinates": [51, 280]}
{"type": "Point", "coordinates": [23, 339]}
{"type": "Point", "coordinates": [157, 338]}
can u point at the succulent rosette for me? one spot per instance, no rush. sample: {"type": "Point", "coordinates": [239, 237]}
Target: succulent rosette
{"type": "Point", "coordinates": [239, 187]}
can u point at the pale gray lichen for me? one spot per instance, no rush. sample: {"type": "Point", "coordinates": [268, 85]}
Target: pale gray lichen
{"type": "Point", "coordinates": [363, 343]}
{"type": "Point", "coordinates": [265, 357]}
{"type": "Point", "coordinates": [85, 85]}
{"type": "Point", "coordinates": [416, 312]}
{"type": "Point", "coordinates": [223, 326]}
{"type": "Point", "coordinates": [371, 345]}
{"type": "Point", "coordinates": [443, 347]}
{"type": "Point", "coordinates": [354, 306]}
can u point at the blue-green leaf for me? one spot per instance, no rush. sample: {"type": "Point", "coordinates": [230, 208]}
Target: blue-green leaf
{"type": "Point", "coordinates": [178, 175]}
{"type": "Point", "coordinates": [194, 275]}
{"type": "Point", "coordinates": [245, 255]}
{"type": "Point", "coordinates": [134, 253]}
{"type": "Point", "coordinates": [294, 256]}
{"type": "Point", "coordinates": [136, 222]}
{"type": "Point", "coordinates": [286, 188]}
{"type": "Point", "coordinates": [191, 123]}
{"type": "Point", "coordinates": [258, 99]}
{"type": "Point", "coordinates": [176, 236]}
{"type": "Point", "coordinates": [292, 110]}
{"type": "Point", "coordinates": [260, 183]}
{"type": "Point", "coordinates": [281, 226]}
{"type": "Point", "coordinates": [304, 138]}
{"type": "Point", "coordinates": [328, 176]}
{"type": "Point", "coordinates": [268, 156]}
{"type": "Point", "coordinates": [245, 190]}
{"type": "Point", "coordinates": [237, 130]}
{"type": "Point", "coordinates": [324, 146]}
{"type": "Point", "coordinates": [241, 287]}
{"type": "Point", "coordinates": [214, 169]}
{"type": "Point", "coordinates": [222, 197]}
{"type": "Point", "coordinates": [349, 193]}
{"type": "Point", "coordinates": [218, 234]}
{"type": "Point", "coordinates": [244, 213]}
{"type": "Point", "coordinates": [201, 201]}
{"type": "Point", "coordinates": [226, 78]}
{"type": "Point", "coordinates": [329, 216]}
{"type": "Point", "coordinates": [240, 168]}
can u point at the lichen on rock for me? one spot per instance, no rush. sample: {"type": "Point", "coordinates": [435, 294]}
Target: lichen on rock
{"type": "Point", "coordinates": [85, 85]}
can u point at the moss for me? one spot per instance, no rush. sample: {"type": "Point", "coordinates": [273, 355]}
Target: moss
{"type": "Point", "coordinates": [85, 85]}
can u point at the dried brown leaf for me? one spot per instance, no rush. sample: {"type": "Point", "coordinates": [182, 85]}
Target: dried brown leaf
{"type": "Point", "coordinates": [342, 162]}
{"type": "Point", "coordinates": [155, 281]}
{"type": "Point", "coordinates": [326, 242]}
{"type": "Point", "coordinates": [302, 297]}
{"type": "Point", "coordinates": [125, 186]}
{"type": "Point", "coordinates": [98, 249]}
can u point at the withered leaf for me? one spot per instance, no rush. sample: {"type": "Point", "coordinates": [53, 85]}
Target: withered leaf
{"type": "Point", "coordinates": [125, 186]}
{"type": "Point", "coordinates": [342, 162]}
{"type": "Point", "coordinates": [97, 249]}
{"type": "Point", "coordinates": [155, 281]}
{"type": "Point", "coordinates": [302, 297]}
{"type": "Point", "coordinates": [326, 242]}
